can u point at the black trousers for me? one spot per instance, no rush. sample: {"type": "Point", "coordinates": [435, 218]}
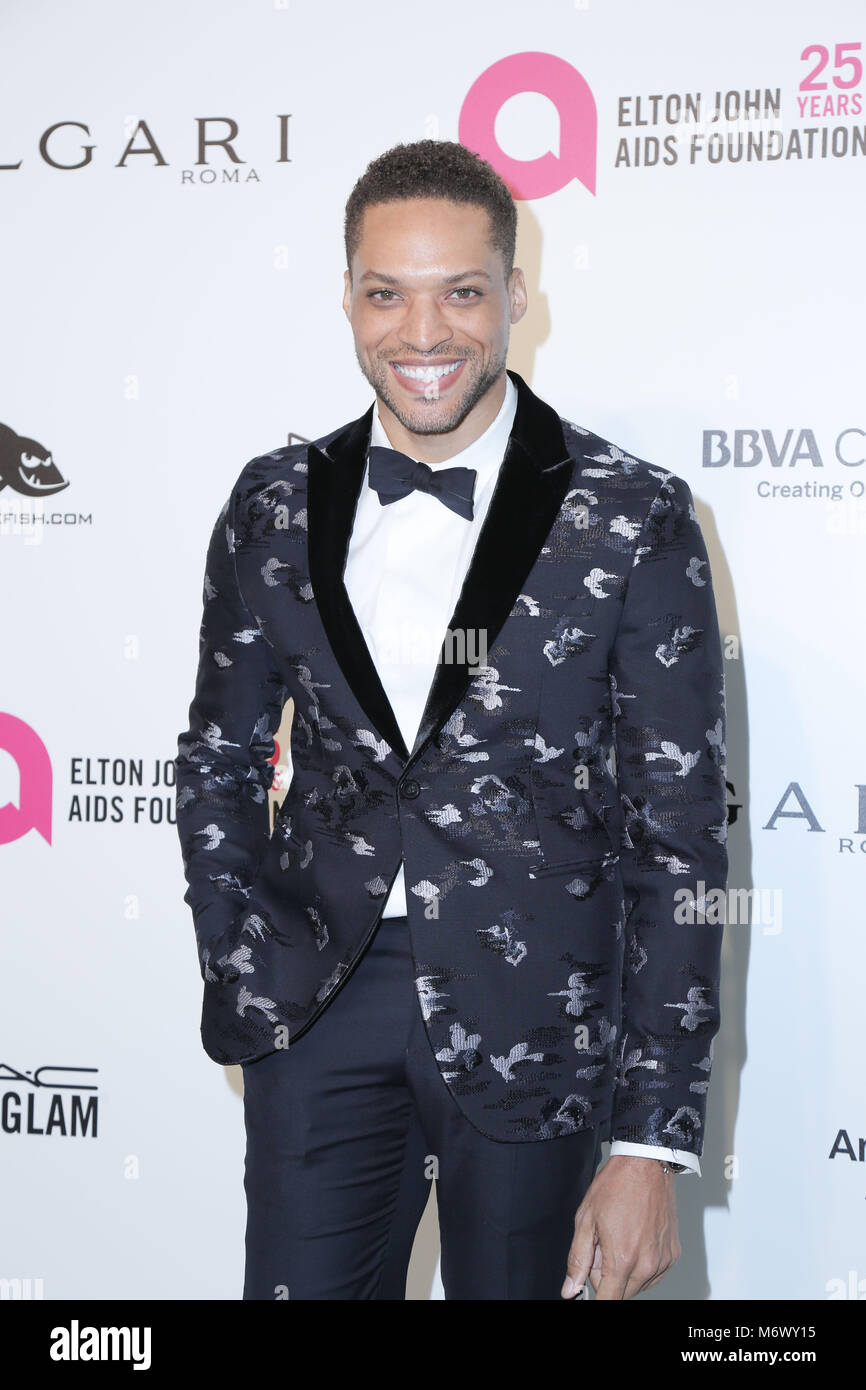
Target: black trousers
{"type": "Point", "coordinates": [347, 1127]}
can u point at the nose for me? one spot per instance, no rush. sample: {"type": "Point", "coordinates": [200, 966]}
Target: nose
{"type": "Point", "coordinates": [424, 326]}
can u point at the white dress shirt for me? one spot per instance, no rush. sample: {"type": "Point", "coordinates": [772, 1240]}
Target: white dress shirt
{"type": "Point", "coordinates": [405, 567]}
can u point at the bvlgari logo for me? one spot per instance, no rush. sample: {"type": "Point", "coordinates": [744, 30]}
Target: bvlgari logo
{"type": "Point", "coordinates": [794, 806]}
{"type": "Point", "coordinates": [27, 466]}
{"type": "Point", "coordinates": [70, 145]}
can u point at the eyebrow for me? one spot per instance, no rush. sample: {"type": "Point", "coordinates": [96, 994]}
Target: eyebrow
{"type": "Point", "coordinates": [449, 279]}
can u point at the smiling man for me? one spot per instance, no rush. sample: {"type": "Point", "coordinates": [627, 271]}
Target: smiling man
{"type": "Point", "coordinates": [450, 391]}
{"type": "Point", "coordinates": [458, 956]}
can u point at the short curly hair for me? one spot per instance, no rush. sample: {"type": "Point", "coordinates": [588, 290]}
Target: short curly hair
{"type": "Point", "coordinates": [434, 169]}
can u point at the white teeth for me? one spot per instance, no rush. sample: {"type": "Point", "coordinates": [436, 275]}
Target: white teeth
{"type": "Point", "coordinates": [427, 373]}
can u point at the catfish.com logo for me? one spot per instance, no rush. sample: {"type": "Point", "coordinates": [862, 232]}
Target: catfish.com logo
{"type": "Point", "coordinates": [570, 93]}
{"type": "Point", "coordinates": [27, 467]}
{"type": "Point", "coordinates": [29, 807]}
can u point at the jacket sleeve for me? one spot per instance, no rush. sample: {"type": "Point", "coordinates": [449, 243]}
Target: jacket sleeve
{"type": "Point", "coordinates": [223, 765]}
{"type": "Point", "coordinates": [668, 700]}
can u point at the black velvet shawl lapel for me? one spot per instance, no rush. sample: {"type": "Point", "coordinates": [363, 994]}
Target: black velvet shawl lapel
{"type": "Point", "coordinates": [333, 484]}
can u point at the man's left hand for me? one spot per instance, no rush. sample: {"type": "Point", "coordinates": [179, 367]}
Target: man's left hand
{"type": "Point", "coordinates": [625, 1230]}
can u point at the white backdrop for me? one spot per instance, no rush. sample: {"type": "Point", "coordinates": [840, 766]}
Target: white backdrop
{"type": "Point", "coordinates": [167, 319]}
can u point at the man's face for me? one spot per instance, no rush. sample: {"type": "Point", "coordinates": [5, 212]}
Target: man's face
{"type": "Point", "coordinates": [430, 309]}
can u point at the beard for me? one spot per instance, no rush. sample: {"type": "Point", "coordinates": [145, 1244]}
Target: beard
{"type": "Point", "coordinates": [426, 415]}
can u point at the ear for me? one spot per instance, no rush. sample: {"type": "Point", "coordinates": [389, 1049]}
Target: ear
{"type": "Point", "coordinates": [517, 296]}
{"type": "Point", "coordinates": [347, 293]}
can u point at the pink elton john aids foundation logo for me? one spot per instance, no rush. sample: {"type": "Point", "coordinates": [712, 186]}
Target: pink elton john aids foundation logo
{"type": "Point", "coordinates": [569, 92]}
{"type": "Point", "coordinates": [30, 756]}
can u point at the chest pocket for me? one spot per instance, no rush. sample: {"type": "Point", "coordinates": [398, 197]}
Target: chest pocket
{"type": "Point", "coordinates": [571, 632]}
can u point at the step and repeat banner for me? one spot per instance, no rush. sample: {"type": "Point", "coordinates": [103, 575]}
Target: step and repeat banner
{"type": "Point", "coordinates": [691, 184]}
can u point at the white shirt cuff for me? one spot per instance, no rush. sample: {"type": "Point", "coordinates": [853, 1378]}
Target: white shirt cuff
{"type": "Point", "coordinates": [691, 1161]}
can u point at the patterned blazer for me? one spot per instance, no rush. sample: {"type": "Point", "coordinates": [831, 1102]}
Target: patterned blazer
{"type": "Point", "coordinates": [562, 814]}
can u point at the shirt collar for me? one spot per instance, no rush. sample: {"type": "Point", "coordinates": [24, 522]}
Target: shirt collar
{"type": "Point", "coordinates": [485, 453]}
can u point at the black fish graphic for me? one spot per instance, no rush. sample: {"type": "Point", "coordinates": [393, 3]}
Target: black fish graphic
{"type": "Point", "coordinates": [27, 467]}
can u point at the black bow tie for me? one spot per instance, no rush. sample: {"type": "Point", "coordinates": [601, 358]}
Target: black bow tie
{"type": "Point", "coordinates": [394, 475]}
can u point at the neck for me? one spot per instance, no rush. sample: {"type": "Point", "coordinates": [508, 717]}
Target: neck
{"type": "Point", "coordinates": [435, 448]}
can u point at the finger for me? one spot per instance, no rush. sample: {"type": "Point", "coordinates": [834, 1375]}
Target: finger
{"type": "Point", "coordinates": [667, 1257]}
{"type": "Point", "coordinates": [597, 1269]}
{"type": "Point", "coordinates": [639, 1279]}
{"type": "Point", "coordinates": [612, 1284]}
{"type": "Point", "coordinates": [614, 1274]}
{"type": "Point", "coordinates": [580, 1258]}
{"type": "Point", "coordinates": [663, 1268]}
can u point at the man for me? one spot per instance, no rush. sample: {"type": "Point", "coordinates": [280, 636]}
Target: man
{"type": "Point", "coordinates": [477, 942]}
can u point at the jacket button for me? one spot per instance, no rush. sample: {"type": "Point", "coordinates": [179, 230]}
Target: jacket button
{"type": "Point", "coordinates": [410, 789]}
